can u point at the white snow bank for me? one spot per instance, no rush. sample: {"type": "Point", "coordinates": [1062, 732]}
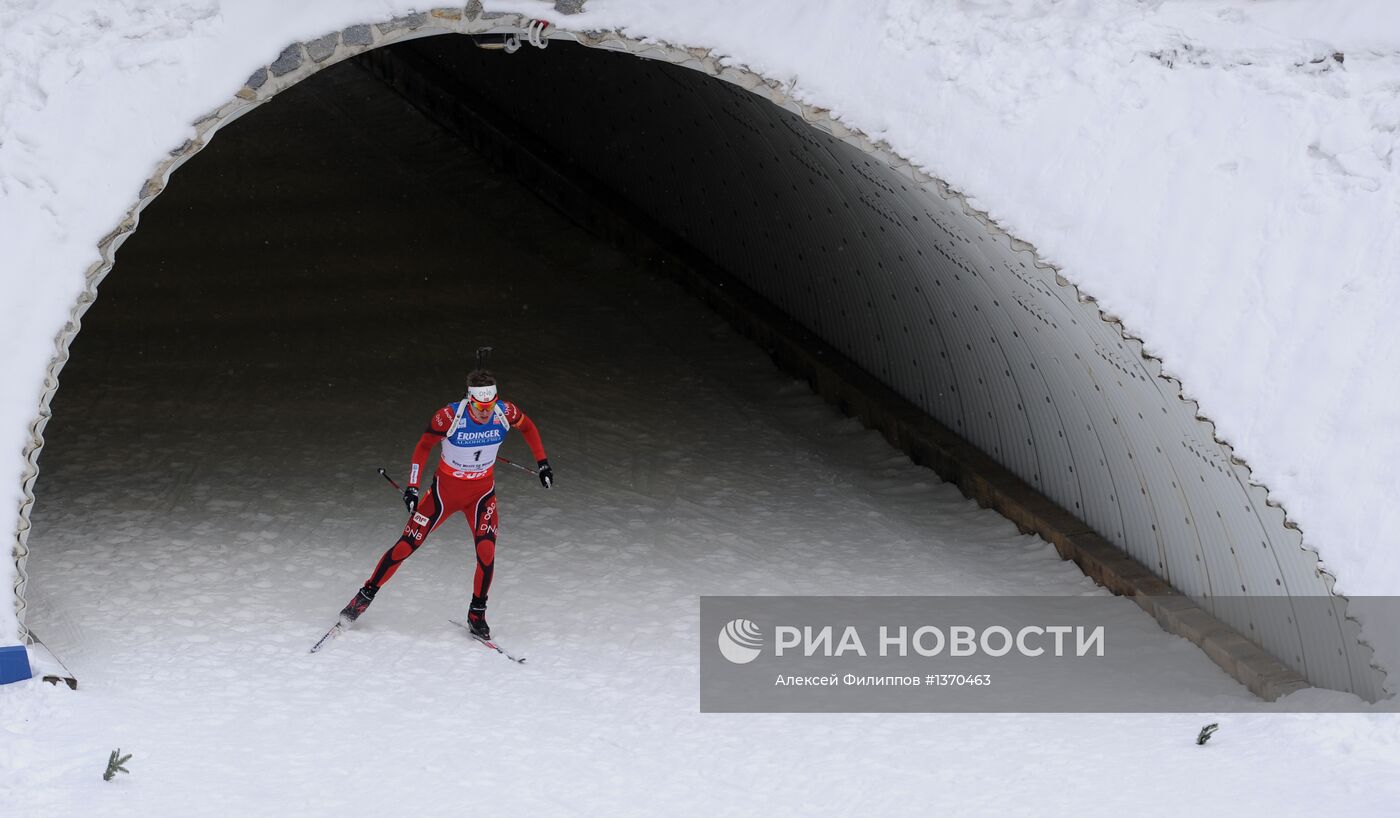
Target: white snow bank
{"type": "Point", "coordinates": [1207, 170]}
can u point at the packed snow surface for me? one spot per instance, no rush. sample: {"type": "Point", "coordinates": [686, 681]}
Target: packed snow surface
{"type": "Point", "coordinates": [210, 502]}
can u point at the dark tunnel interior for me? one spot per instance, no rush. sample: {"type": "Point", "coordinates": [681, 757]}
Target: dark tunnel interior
{"type": "Point", "coordinates": [323, 264]}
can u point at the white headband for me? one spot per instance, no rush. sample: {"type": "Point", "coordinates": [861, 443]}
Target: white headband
{"type": "Point", "coordinates": [482, 394]}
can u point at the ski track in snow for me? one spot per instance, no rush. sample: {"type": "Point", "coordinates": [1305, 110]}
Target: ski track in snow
{"type": "Point", "coordinates": [204, 517]}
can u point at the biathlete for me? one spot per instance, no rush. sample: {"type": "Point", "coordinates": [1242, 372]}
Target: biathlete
{"type": "Point", "coordinates": [469, 431]}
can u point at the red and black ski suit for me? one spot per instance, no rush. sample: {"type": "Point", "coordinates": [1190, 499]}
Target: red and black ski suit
{"type": "Point", "coordinates": [465, 482]}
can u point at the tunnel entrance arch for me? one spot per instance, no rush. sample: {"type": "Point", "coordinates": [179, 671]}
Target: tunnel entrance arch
{"type": "Point", "coordinates": [936, 301]}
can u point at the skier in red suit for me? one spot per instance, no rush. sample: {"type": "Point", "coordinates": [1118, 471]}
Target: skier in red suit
{"type": "Point", "coordinates": [469, 432]}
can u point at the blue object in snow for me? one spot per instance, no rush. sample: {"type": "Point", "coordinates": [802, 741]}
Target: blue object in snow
{"type": "Point", "coordinates": [14, 664]}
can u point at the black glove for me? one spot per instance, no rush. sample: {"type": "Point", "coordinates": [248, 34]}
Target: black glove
{"type": "Point", "coordinates": [410, 498]}
{"type": "Point", "coordinates": [546, 474]}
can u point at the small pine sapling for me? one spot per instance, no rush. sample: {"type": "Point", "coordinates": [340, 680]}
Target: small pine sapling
{"type": "Point", "coordinates": [114, 764]}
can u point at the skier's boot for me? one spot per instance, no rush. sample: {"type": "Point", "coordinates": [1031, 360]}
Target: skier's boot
{"type": "Point", "coordinates": [476, 617]}
{"type": "Point", "coordinates": [357, 606]}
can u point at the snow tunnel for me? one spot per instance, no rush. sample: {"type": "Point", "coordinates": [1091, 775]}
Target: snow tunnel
{"type": "Point", "coordinates": [891, 269]}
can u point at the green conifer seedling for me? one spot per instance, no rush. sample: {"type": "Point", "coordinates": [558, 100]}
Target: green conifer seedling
{"type": "Point", "coordinates": [114, 764]}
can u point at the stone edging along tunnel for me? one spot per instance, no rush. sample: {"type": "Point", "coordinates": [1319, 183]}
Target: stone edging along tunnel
{"type": "Point", "coordinates": [891, 270]}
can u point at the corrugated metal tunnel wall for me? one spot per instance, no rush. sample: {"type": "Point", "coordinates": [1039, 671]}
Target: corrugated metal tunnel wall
{"type": "Point", "coordinates": [928, 297]}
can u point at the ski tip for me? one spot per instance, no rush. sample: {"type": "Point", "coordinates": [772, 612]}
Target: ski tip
{"type": "Point", "coordinates": [330, 634]}
{"type": "Point", "coordinates": [490, 643]}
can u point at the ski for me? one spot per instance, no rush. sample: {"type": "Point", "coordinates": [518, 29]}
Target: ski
{"type": "Point", "coordinates": [490, 643]}
{"type": "Point", "coordinates": [330, 634]}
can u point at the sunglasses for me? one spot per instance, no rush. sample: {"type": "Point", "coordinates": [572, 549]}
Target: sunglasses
{"type": "Point", "coordinates": [482, 398]}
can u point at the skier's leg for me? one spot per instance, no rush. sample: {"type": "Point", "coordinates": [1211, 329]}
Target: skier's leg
{"type": "Point", "coordinates": [432, 510]}
{"type": "Point", "coordinates": [421, 523]}
{"type": "Point", "coordinates": [485, 522]}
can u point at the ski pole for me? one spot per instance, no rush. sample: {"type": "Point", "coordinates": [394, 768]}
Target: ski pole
{"type": "Point", "coordinates": [386, 476]}
{"type": "Point", "coordinates": [517, 465]}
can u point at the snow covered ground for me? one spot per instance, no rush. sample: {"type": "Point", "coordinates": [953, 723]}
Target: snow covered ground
{"type": "Point", "coordinates": [209, 501]}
